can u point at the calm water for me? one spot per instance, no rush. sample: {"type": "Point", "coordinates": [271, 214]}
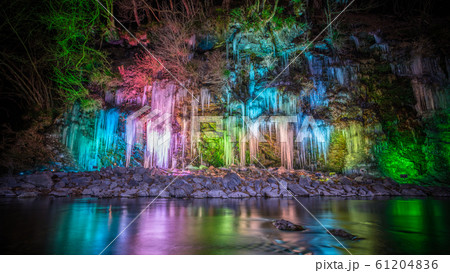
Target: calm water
{"type": "Point", "coordinates": [216, 226]}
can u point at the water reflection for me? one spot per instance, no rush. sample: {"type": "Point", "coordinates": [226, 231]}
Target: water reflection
{"type": "Point", "coordinates": [216, 226]}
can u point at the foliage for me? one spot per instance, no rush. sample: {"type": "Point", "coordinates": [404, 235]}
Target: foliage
{"type": "Point", "coordinates": [75, 24]}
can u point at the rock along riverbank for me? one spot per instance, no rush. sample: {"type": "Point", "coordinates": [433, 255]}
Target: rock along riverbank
{"type": "Point", "coordinates": [209, 183]}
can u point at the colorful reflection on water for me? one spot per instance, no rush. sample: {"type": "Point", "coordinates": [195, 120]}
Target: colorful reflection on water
{"type": "Point", "coordinates": [216, 226]}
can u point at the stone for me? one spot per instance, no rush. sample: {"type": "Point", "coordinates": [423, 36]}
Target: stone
{"type": "Point", "coordinates": [140, 170]}
{"type": "Point", "coordinates": [59, 193]}
{"type": "Point", "coordinates": [238, 195]}
{"type": "Point", "coordinates": [379, 189]}
{"type": "Point", "coordinates": [199, 194]}
{"type": "Point", "coordinates": [250, 191]}
{"type": "Point", "coordinates": [347, 188]}
{"type": "Point", "coordinates": [178, 193]}
{"type": "Point", "coordinates": [137, 177]}
{"type": "Point", "coordinates": [211, 186]}
{"type": "Point", "coordinates": [343, 234]}
{"type": "Point", "coordinates": [60, 184]}
{"type": "Point", "coordinates": [345, 180]}
{"type": "Point", "coordinates": [39, 180]}
{"type": "Point", "coordinates": [217, 194]}
{"type": "Point", "coordinates": [87, 192]}
{"type": "Point", "coordinates": [143, 193]}
{"type": "Point", "coordinates": [120, 170]}
{"type": "Point", "coordinates": [81, 181]}
{"type": "Point", "coordinates": [27, 186]}
{"type": "Point", "coordinates": [359, 179]}
{"type": "Point", "coordinates": [154, 190]}
{"type": "Point", "coordinates": [270, 192]}
{"type": "Point", "coordinates": [129, 193]}
{"type": "Point", "coordinates": [412, 192]}
{"type": "Point", "coordinates": [113, 185]}
{"type": "Point", "coordinates": [304, 181]}
{"type": "Point", "coordinates": [287, 226]}
{"type": "Point", "coordinates": [231, 181]}
{"type": "Point", "coordinates": [29, 194]}
{"type": "Point", "coordinates": [297, 190]}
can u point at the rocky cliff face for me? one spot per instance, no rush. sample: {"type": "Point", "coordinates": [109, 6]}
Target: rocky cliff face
{"type": "Point", "coordinates": [259, 90]}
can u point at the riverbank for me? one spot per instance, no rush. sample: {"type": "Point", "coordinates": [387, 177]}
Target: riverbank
{"type": "Point", "coordinates": [208, 183]}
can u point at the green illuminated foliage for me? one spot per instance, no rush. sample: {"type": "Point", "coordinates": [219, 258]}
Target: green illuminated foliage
{"type": "Point", "coordinates": [76, 25]}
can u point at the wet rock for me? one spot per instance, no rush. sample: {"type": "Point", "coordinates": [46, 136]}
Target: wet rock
{"type": "Point", "coordinates": [39, 180]}
{"type": "Point", "coordinates": [287, 226]}
{"type": "Point", "coordinates": [231, 181]}
{"type": "Point", "coordinates": [143, 193]}
{"type": "Point", "coordinates": [60, 193]}
{"type": "Point", "coordinates": [129, 193]}
{"type": "Point", "coordinates": [297, 190]}
{"type": "Point", "coordinates": [154, 190]}
{"type": "Point", "coordinates": [199, 194]}
{"type": "Point", "coordinates": [270, 192]}
{"type": "Point", "coordinates": [238, 195]}
{"type": "Point", "coordinates": [217, 194]}
{"type": "Point", "coordinates": [29, 194]}
{"type": "Point", "coordinates": [343, 234]}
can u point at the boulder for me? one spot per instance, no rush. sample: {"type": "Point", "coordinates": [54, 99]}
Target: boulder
{"type": "Point", "coordinates": [217, 194]}
{"type": "Point", "coordinates": [287, 226]}
{"type": "Point", "coordinates": [199, 194]}
{"type": "Point", "coordinates": [231, 181]}
{"type": "Point", "coordinates": [250, 191]}
{"type": "Point", "coordinates": [81, 181]}
{"type": "Point", "coordinates": [270, 192]}
{"type": "Point", "coordinates": [129, 193]}
{"type": "Point", "coordinates": [30, 194]}
{"type": "Point", "coordinates": [87, 192]}
{"type": "Point", "coordinates": [379, 189]}
{"type": "Point", "coordinates": [39, 180]}
{"type": "Point", "coordinates": [343, 234]}
{"type": "Point", "coordinates": [137, 177]}
{"type": "Point", "coordinates": [59, 193]}
{"type": "Point", "coordinates": [211, 186]}
{"type": "Point", "coordinates": [304, 181]}
{"type": "Point", "coordinates": [297, 190]}
{"type": "Point", "coordinates": [238, 195]}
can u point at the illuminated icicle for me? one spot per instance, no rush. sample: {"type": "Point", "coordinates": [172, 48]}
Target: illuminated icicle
{"type": "Point", "coordinates": [132, 131]}
{"type": "Point", "coordinates": [313, 139]}
{"type": "Point", "coordinates": [205, 98]}
{"type": "Point", "coordinates": [159, 126]}
{"type": "Point", "coordinates": [90, 147]}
